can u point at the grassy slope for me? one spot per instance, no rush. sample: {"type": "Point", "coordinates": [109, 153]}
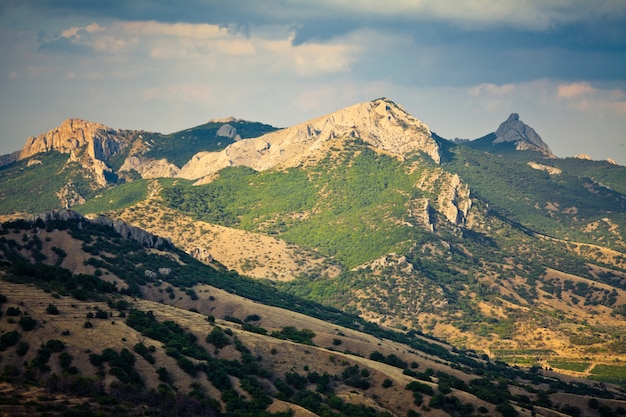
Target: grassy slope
{"type": "Point", "coordinates": [562, 205]}
{"type": "Point", "coordinates": [259, 357]}
{"type": "Point", "coordinates": [352, 210]}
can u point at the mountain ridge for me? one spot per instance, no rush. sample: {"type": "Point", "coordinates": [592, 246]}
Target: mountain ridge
{"type": "Point", "coordinates": [103, 142]}
{"type": "Point", "coordinates": [510, 254]}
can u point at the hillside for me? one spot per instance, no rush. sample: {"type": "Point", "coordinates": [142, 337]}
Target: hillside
{"type": "Point", "coordinates": [493, 245]}
{"type": "Point", "coordinates": [94, 322]}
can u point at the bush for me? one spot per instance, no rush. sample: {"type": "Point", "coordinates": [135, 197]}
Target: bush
{"type": "Point", "coordinates": [28, 323]}
{"type": "Point", "coordinates": [22, 348]}
{"type": "Point", "coordinates": [218, 338]}
{"type": "Point", "coordinates": [52, 309]}
{"type": "Point", "coordinates": [9, 339]}
{"type": "Point", "coordinates": [416, 386]}
{"type": "Point", "coordinates": [13, 311]}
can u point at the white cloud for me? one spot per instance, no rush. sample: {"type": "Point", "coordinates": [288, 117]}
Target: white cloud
{"type": "Point", "coordinates": [209, 46]}
{"type": "Point", "coordinates": [583, 96]}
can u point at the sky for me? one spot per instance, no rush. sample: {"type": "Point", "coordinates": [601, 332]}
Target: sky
{"type": "Point", "coordinates": [460, 66]}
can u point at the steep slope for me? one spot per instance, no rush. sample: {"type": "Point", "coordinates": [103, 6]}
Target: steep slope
{"type": "Point", "coordinates": [523, 136]}
{"type": "Point", "coordinates": [380, 123]}
{"type": "Point", "coordinates": [182, 346]}
{"type": "Point", "coordinates": [100, 143]}
{"type": "Point", "coordinates": [512, 134]}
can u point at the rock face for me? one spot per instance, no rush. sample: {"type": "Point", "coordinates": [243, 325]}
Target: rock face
{"type": "Point", "coordinates": [452, 198]}
{"type": "Point", "coordinates": [201, 254]}
{"type": "Point", "coordinates": [380, 123]}
{"type": "Point", "coordinates": [150, 168]}
{"type": "Point", "coordinates": [524, 136]}
{"type": "Point", "coordinates": [228, 131]}
{"type": "Point", "coordinates": [127, 231]}
{"type": "Point", "coordinates": [88, 143]}
{"type": "Point", "coordinates": [102, 141]}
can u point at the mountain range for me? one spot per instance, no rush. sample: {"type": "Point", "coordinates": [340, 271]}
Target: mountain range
{"type": "Point", "coordinates": [494, 250]}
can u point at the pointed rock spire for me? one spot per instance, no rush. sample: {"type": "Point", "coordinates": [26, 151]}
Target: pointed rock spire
{"type": "Point", "coordinates": [524, 136]}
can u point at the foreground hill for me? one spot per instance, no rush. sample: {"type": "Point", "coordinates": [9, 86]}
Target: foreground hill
{"type": "Point", "coordinates": [493, 245]}
{"type": "Point", "coordinates": [95, 322]}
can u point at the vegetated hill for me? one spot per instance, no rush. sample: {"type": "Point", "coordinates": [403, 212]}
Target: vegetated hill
{"type": "Point", "coordinates": [93, 322]}
{"type": "Point", "coordinates": [489, 252]}
{"type": "Point", "coordinates": [86, 158]}
{"type": "Point", "coordinates": [498, 247]}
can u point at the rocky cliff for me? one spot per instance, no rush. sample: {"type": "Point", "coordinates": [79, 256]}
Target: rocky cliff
{"type": "Point", "coordinates": [381, 123]}
{"type": "Point", "coordinates": [146, 239]}
{"type": "Point", "coordinates": [102, 142]}
{"type": "Point", "coordinates": [524, 136]}
{"type": "Point", "coordinates": [88, 143]}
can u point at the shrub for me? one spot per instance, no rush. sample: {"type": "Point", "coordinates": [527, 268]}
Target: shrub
{"type": "Point", "coordinates": [52, 309]}
{"type": "Point", "coordinates": [22, 348]}
{"type": "Point", "coordinates": [28, 323]}
{"type": "Point", "coordinates": [13, 311]}
{"type": "Point", "coordinates": [218, 338]}
{"type": "Point", "coordinates": [9, 339]}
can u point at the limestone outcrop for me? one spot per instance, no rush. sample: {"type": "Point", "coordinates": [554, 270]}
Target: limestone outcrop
{"type": "Point", "coordinates": [448, 195]}
{"type": "Point", "coordinates": [150, 168]}
{"type": "Point", "coordinates": [228, 131]}
{"type": "Point", "coordinates": [524, 136]}
{"type": "Point", "coordinates": [380, 123]}
{"type": "Point", "coordinates": [102, 141]}
{"type": "Point", "coordinates": [88, 143]}
{"type": "Point", "coordinates": [127, 231]}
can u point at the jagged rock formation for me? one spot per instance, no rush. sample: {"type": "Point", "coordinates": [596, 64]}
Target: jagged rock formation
{"type": "Point", "coordinates": [102, 142]}
{"type": "Point", "coordinates": [150, 168]}
{"type": "Point", "coordinates": [524, 136]}
{"type": "Point", "coordinates": [380, 123]}
{"type": "Point", "coordinates": [88, 143]}
{"type": "Point", "coordinates": [228, 131]}
{"type": "Point", "coordinates": [146, 239]}
{"type": "Point", "coordinates": [201, 254]}
{"type": "Point", "coordinates": [449, 195]}
{"type": "Point", "coordinates": [127, 231]}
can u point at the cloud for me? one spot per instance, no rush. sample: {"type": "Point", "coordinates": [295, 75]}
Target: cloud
{"type": "Point", "coordinates": [580, 96]}
{"type": "Point", "coordinates": [583, 96]}
{"type": "Point", "coordinates": [206, 44]}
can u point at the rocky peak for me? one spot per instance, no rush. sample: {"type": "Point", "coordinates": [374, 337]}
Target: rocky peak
{"type": "Point", "coordinates": [524, 136]}
{"type": "Point", "coordinates": [88, 143]}
{"type": "Point", "coordinates": [380, 123]}
{"type": "Point", "coordinates": [102, 141]}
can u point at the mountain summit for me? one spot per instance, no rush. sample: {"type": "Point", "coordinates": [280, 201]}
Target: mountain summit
{"type": "Point", "coordinates": [381, 123]}
{"type": "Point", "coordinates": [524, 136]}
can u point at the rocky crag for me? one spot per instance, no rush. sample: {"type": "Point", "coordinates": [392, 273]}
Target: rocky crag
{"type": "Point", "coordinates": [523, 136]}
{"type": "Point", "coordinates": [381, 123]}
